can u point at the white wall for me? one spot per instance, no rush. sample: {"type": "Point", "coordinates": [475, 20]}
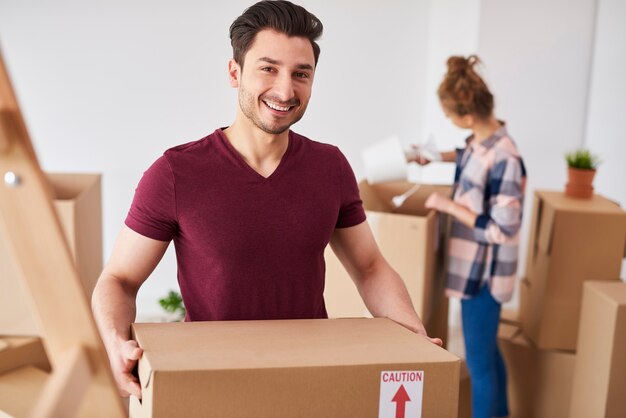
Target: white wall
{"type": "Point", "coordinates": [108, 86]}
{"type": "Point", "coordinates": [452, 30]}
{"type": "Point", "coordinates": [604, 133]}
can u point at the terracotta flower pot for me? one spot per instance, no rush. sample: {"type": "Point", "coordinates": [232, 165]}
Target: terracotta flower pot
{"type": "Point", "coordinates": [579, 183]}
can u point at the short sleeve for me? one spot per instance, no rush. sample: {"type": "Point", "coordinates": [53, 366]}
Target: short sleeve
{"type": "Point", "coordinates": [153, 210]}
{"type": "Point", "coordinates": [351, 211]}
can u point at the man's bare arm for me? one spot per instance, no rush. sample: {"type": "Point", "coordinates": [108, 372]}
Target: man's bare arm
{"type": "Point", "coordinates": [134, 257]}
{"type": "Point", "coordinates": [381, 288]}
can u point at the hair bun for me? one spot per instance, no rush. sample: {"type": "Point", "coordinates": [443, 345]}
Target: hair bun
{"type": "Point", "coordinates": [463, 91]}
{"type": "Point", "coordinates": [459, 64]}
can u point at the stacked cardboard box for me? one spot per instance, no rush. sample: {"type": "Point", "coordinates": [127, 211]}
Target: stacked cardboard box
{"type": "Point", "coordinates": [571, 240]}
{"type": "Point", "coordinates": [539, 381]}
{"type": "Point", "coordinates": [78, 203]}
{"type": "Point", "coordinates": [411, 238]}
{"type": "Point", "coordinates": [24, 369]}
{"type": "Point", "coordinates": [599, 381]}
{"type": "Point", "coordinates": [293, 368]}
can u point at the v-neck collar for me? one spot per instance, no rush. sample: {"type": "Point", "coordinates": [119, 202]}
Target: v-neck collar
{"type": "Point", "coordinates": [247, 167]}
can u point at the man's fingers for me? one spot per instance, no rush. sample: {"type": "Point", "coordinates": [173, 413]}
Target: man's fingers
{"type": "Point", "coordinates": [131, 350]}
{"type": "Point", "coordinates": [436, 341]}
{"type": "Point", "coordinates": [130, 386]}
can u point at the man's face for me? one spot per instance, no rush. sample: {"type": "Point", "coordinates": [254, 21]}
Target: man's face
{"type": "Point", "coordinates": [275, 82]}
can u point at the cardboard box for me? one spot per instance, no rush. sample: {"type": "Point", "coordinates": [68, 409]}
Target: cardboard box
{"type": "Point", "coordinates": [571, 240]}
{"type": "Point", "coordinates": [539, 381]}
{"type": "Point", "coordinates": [20, 389]}
{"type": "Point", "coordinates": [78, 203]}
{"type": "Point", "coordinates": [16, 352]}
{"type": "Point", "coordinates": [599, 386]}
{"type": "Point", "coordinates": [465, 393]}
{"type": "Point", "coordinates": [292, 368]}
{"type": "Point", "coordinates": [412, 240]}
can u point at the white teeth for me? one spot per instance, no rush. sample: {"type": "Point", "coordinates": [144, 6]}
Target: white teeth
{"type": "Point", "coordinates": [276, 107]}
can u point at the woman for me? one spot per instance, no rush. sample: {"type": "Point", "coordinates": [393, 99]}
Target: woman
{"type": "Point", "coordinates": [486, 212]}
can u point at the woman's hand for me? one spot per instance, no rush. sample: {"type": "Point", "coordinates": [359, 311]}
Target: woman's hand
{"type": "Point", "coordinates": [413, 155]}
{"type": "Point", "coordinates": [439, 202]}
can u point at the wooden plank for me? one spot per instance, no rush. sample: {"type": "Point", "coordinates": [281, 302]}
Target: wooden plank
{"type": "Point", "coordinates": [36, 242]}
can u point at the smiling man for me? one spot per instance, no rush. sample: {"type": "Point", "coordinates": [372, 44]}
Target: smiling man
{"type": "Point", "coordinates": [251, 207]}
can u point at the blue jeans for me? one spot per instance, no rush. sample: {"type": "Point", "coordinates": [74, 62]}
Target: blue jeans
{"type": "Point", "coordinates": [481, 315]}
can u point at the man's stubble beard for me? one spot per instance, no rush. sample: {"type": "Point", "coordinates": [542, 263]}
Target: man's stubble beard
{"type": "Point", "coordinates": [247, 103]}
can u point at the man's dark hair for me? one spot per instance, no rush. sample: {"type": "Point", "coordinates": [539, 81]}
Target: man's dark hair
{"type": "Point", "coordinates": [279, 15]}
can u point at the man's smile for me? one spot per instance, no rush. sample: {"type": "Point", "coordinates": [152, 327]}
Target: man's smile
{"type": "Point", "coordinates": [275, 106]}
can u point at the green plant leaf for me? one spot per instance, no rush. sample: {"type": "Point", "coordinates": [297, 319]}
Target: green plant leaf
{"type": "Point", "coordinates": [582, 159]}
{"type": "Point", "coordinates": [173, 303]}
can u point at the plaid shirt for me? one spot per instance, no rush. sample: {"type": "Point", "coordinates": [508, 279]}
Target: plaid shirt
{"type": "Point", "coordinates": [490, 180]}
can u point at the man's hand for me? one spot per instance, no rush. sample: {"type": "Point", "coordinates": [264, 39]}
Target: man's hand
{"type": "Point", "coordinates": [123, 359]}
{"type": "Point", "coordinates": [422, 331]}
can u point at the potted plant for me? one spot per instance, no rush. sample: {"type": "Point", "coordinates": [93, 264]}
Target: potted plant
{"type": "Point", "coordinates": [173, 305]}
{"type": "Point", "coordinates": [580, 173]}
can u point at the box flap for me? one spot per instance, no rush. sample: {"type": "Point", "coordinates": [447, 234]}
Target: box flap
{"type": "Point", "coordinates": [545, 228]}
{"type": "Point", "coordinates": [378, 197]}
{"type": "Point", "coordinates": [553, 202]}
{"type": "Point", "coordinates": [533, 240]}
{"type": "Point", "coordinates": [221, 345]}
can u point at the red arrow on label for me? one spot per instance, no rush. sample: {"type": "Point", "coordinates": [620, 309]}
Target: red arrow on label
{"type": "Point", "coordinates": [401, 398]}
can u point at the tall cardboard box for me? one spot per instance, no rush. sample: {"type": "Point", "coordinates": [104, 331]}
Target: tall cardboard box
{"type": "Point", "coordinates": [571, 240]}
{"type": "Point", "coordinates": [331, 368]}
{"type": "Point", "coordinates": [599, 387]}
{"type": "Point", "coordinates": [412, 240]}
{"type": "Point", "coordinates": [77, 199]}
{"type": "Point", "coordinates": [539, 381]}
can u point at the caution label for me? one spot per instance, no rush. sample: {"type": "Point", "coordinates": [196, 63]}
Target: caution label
{"type": "Point", "coordinates": [401, 394]}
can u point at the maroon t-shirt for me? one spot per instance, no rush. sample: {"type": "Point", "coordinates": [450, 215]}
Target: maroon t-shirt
{"type": "Point", "coordinates": [248, 247]}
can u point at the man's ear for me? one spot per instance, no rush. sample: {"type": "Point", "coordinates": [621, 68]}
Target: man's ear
{"type": "Point", "coordinates": [234, 73]}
